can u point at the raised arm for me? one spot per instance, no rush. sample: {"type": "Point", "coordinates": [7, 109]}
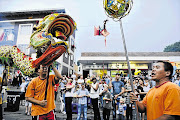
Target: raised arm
{"type": "Point", "coordinates": [57, 74]}
{"type": "Point", "coordinates": [110, 83]}
{"type": "Point", "coordinates": [97, 86]}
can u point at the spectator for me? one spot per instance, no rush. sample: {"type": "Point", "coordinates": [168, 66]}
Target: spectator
{"type": "Point", "coordinates": [94, 95]}
{"type": "Point", "coordinates": [20, 78]}
{"type": "Point", "coordinates": [73, 76]}
{"type": "Point", "coordinates": [146, 85]}
{"type": "Point", "coordinates": [23, 88]}
{"type": "Point", "coordinates": [118, 90]}
{"type": "Point", "coordinates": [140, 90]}
{"type": "Point", "coordinates": [101, 90]}
{"type": "Point", "coordinates": [5, 77]}
{"type": "Point", "coordinates": [82, 94]}
{"type": "Point", "coordinates": [15, 80]}
{"type": "Point", "coordinates": [68, 98]}
{"type": "Point", "coordinates": [107, 102]}
{"type": "Point", "coordinates": [128, 89]}
{"type": "Point", "coordinates": [177, 81]}
{"type": "Point", "coordinates": [107, 79]}
{"type": "Point", "coordinates": [80, 81]}
{"type": "Point", "coordinates": [121, 110]}
{"type": "Point", "coordinates": [56, 87]}
{"type": "Point", "coordinates": [62, 84]}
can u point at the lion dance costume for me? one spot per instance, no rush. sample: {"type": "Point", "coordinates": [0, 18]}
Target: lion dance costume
{"type": "Point", "coordinates": [56, 25]}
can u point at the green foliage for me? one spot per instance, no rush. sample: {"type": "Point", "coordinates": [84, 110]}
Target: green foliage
{"type": "Point", "coordinates": [173, 47]}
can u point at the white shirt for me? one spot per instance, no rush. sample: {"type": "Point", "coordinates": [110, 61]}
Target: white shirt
{"type": "Point", "coordinates": [70, 93]}
{"type": "Point", "coordinates": [22, 86]}
{"type": "Point", "coordinates": [73, 76]}
{"type": "Point", "coordinates": [94, 93]}
{"type": "Point", "coordinates": [80, 81]}
{"type": "Point", "coordinates": [101, 87]}
{"type": "Point", "coordinates": [176, 82]}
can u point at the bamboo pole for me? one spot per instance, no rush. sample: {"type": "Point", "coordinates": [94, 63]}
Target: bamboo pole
{"type": "Point", "coordinates": [129, 68]}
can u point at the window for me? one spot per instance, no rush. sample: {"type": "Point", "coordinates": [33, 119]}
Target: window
{"type": "Point", "coordinates": [24, 33]}
{"type": "Point", "coordinates": [72, 57]}
{"type": "Point", "coordinates": [66, 55]}
{"type": "Point", "coordinates": [25, 29]}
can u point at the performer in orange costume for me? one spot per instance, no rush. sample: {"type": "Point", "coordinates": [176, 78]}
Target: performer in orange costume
{"type": "Point", "coordinates": [163, 101]}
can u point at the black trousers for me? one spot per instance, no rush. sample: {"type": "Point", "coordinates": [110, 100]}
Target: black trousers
{"type": "Point", "coordinates": [55, 95]}
{"type": "Point", "coordinates": [68, 101]}
{"type": "Point", "coordinates": [95, 109]}
{"type": "Point", "coordinates": [1, 112]}
{"type": "Point", "coordinates": [114, 109]}
{"type": "Point", "coordinates": [129, 112]}
{"type": "Point", "coordinates": [106, 113]}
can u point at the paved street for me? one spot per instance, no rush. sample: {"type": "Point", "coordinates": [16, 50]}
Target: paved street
{"type": "Point", "coordinates": [20, 115]}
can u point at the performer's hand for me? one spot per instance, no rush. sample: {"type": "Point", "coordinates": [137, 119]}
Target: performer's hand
{"type": "Point", "coordinates": [51, 65]}
{"type": "Point", "coordinates": [116, 96]}
{"type": "Point", "coordinates": [133, 97]}
{"type": "Point", "coordinates": [43, 103]}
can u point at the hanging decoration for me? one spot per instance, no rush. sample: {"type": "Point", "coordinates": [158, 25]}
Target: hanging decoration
{"type": "Point", "coordinates": [99, 31]}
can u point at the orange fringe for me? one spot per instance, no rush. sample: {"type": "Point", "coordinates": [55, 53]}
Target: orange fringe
{"type": "Point", "coordinates": [49, 56]}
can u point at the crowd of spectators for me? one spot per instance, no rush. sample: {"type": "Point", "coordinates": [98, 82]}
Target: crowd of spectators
{"type": "Point", "coordinates": [106, 93]}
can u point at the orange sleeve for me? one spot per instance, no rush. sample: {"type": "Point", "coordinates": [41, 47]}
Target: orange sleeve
{"type": "Point", "coordinates": [144, 101]}
{"type": "Point", "coordinates": [52, 79]}
{"type": "Point", "coordinates": [172, 102]}
{"type": "Point", "coordinates": [30, 90]}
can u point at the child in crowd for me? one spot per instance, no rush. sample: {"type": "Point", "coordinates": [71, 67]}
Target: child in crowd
{"type": "Point", "coordinates": [107, 102]}
{"type": "Point", "coordinates": [82, 94]}
{"type": "Point", "coordinates": [101, 90]}
{"type": "Point", "coordinates": [121, 110]}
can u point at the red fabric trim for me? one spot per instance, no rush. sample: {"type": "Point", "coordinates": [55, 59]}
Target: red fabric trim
{"type": "Point", "coordinates": [161, 84]}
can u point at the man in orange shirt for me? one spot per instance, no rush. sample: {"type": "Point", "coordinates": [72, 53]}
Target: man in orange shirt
{"type": "Point", "coordinates": [162, 102]}
{"type": "Point", "coordinates": [42, 97]}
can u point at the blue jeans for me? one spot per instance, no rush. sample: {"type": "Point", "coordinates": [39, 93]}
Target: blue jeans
{"type": "Point", "coordinates": [101, 100]}
{"type": "Point", "coordinates": [82, 107]}
{"type": "Point", "coordinates": [64, 101]}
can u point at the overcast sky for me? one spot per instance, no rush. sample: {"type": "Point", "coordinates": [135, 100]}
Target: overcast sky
{"type": "Point", "coordinates": [150, 26]}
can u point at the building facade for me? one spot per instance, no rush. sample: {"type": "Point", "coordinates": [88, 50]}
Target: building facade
{"type": "Point", "coordinates": [100, 63]}
{"type": "Point", "coordinates": [17, 27]}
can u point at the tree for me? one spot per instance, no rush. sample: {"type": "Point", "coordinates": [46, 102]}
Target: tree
{"type": "Point", "coordinates": [173, 47]}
